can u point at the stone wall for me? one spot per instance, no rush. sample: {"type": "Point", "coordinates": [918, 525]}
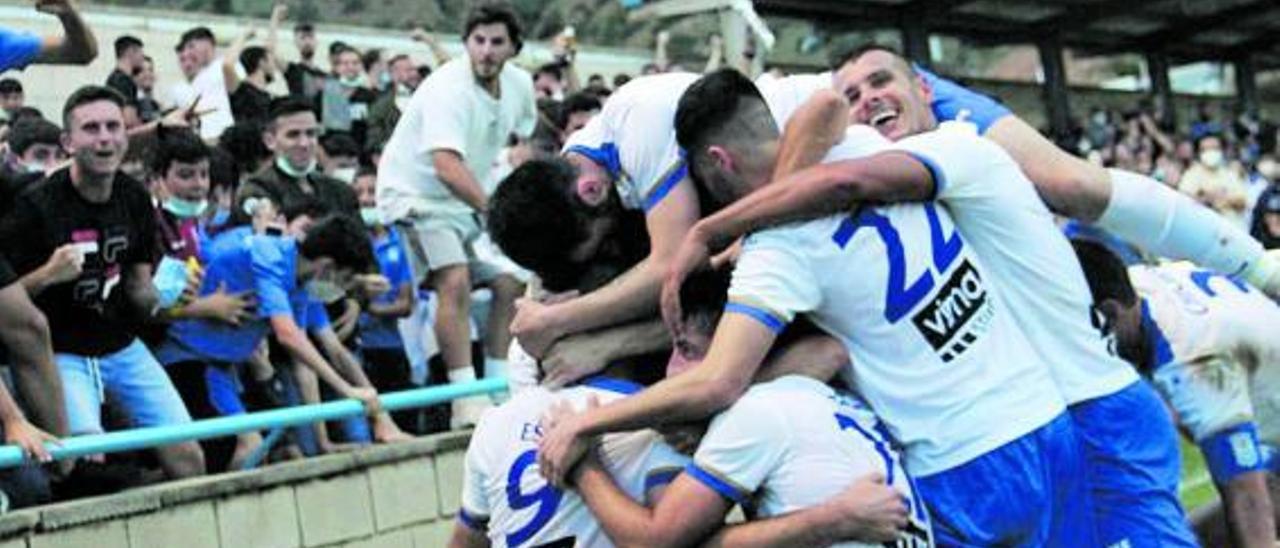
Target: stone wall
{"type": "Point", "coordinates": [400, 496]}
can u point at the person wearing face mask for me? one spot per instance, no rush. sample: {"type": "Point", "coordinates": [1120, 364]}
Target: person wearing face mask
{"type": "Point", "coordinates": [293, 178]}
{"type": "Point", "coordinates": [34, 150]}
{"type": "Point", "coordinates": [347, 96]}
{"type": "Point", "coordinates": [1266, 214]}
{"type": "Point", "coordinates": [1212, 182]}
{"type": "Point", "coordinates": [385, 112]}
{"type": "Point", "coordinates": [340, 156]}
{"type": "Point", "coordinates": [284, 273]}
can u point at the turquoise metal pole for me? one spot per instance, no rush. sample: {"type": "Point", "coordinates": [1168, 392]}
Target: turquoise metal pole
{"type": "Point", "coordinates": [142, 438]}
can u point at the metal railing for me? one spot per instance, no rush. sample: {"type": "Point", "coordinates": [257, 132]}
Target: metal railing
{"type": "Point", "coordinates": [276, 419]}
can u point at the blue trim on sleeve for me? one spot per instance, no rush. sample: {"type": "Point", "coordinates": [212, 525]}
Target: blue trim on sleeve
{"type": "Point", "coordinates": [939, 177]}
{"type": "Point", "coordinates": [1233, 452]}
{"type": "Point", "coordinates": [660, 477]}
{"type": "Point", "coordinates": [606, 156]}
{"type": "Point", "coordinates": [770, 321]}
{"type": "Point", "coordinates": [716, 484]}
{"type": "Point", "coordinates": [475, 523]}
{"type": "Point", "coordinates": [664, 188]}
{"type": "Point", "coordinates": [1161, 351]}
{"type": "Point", "coordinates": [620, 386]}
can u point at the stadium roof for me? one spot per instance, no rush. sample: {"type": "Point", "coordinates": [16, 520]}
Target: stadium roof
{"type": "Point", "coordinates": [1185, 30]}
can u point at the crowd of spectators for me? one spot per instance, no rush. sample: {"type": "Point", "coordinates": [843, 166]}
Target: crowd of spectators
{"type": "Point", "coordinates": [1225, 158]}
{"type": "Point", "coordinates": [215, 248]}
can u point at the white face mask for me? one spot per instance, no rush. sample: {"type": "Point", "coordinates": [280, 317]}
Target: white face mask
{"type": "Point", "coordinates": [370, 216]}
{"type": "Point", "coordinates": [1211, 158]}
{"type": "Point", "coordinates": [185, 209]}
{"type": "Point", "coordinates": [324, 291]}
{"type": "Point", "coordinates": [1268, 170]}
{"type": "Point", "coordinates": [345, 174]}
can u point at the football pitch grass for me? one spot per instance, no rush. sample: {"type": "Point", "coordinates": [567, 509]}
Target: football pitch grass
{"type": "Point", "coordinates": [1196, 487]}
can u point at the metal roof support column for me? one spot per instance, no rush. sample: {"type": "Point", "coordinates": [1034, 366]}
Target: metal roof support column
{"type": "Point", "coordinates": [1055, 85]}
{"type": "Point", "coordinates": [1158, 71]}
{"type": "Point", "coordinates": [915, 41]}
{"type": "Point", "coordinates": [1247, 83]}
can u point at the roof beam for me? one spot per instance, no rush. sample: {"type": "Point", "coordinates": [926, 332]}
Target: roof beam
{"type": "Point", "coordinates": [1080, 17]}
{"type": "Point", "coordinates": [1185, 27]}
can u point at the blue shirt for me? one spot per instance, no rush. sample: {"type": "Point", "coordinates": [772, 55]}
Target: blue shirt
{"type": "Point", "coordinates": [240, 261]}
{"type": "Point", "coordinates": [18, 49]}
{"type": "Point", "coordinates": [393, 261]}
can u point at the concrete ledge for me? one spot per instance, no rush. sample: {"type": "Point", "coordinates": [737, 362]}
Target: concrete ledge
{"type": "Point", "coordinates": [378, 496]}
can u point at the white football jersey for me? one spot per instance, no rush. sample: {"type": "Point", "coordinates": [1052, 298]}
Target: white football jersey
{"type": "Point", "coordinates": [785, 95]}
{"type": "Point", "coordinates": [1000, 214]}
{"type": "Point", "coordinates": [778, 462]}
{"type": "Point", "coordinates": [1214, 348]}
{"type": "Point", "coordinates": [503, 488]}
{"type": "Point", "coordinates": [634, 138]}
{"type": "Point", "coordinates": [936, 351]}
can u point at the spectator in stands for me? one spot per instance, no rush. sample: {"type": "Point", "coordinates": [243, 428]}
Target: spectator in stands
{"type": "Point", "coordinates": [1205, 123]}
{"type": "Point", "coordinates": [304, 77]}
{"type": "Point", "coordinates": [76, 45]}
{"type": "Point", "coordinates": [144, 77]}
{"type": "Point", "coordinates": [1266, 219]}
{"type": "Point", "coordinates": [1212, 182]}
{"type": "Point", "coordinates": [35, 149]}
{"type": "Point", "coordinates": [250, 100]}
{"type": "Point", "coordinates": [620, 79]}
{"type": "Point", "coordinates": [340, 157]}
{"type": "Point", "coordinates": [347, 96]}
{"type": "Point", "coordinates": [208, 87]}
{"type": "Point", "coordinates": [576, 111]}
{"type": "Point", "coordinates": [375, 70]}
{"type": "Point", "coordinates": [129, 58]}
{"type": "Point", "coordinates": [293, 177]}
{"type": "Point", "coordinates": [12, 97]}
{"type": "Point", "coordinates": [385, 112]}
{"type": "Point", "coordinates": [83, 240]}
{"type": "Point", "coordinates": [381, 347]}
{"type": "Point", "coordinates": [548, 82]}
{"type": "Point", "coordinates": [202, 356]}
{"type": "Point", "coordinates": [244, 147]}
{"type": "Point", "coordinates": [597, 86]}
{"type": "Point", "coordinates": [433, 175]}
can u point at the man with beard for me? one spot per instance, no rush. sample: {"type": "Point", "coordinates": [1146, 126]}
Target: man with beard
{"type": "Point", "coordinates": [250, 100]}
{"type": "Point", "coordinates": [433, 182]}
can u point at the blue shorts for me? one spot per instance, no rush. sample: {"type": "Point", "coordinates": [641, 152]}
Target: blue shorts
{"type": "Point", "coordinates": [1134, 465]}
{"type": "Point", "coordinates": [131, 377]}
{"type": "Point", "coordinates": [952, 101]}
{"type": "Point", "coordinates": [1028, 492]}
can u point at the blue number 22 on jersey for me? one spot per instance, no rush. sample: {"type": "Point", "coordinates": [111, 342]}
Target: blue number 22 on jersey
{"type": "Point", "coordinates": [901, 298]}
{"type": "Point", "coordinates": [546, 498]}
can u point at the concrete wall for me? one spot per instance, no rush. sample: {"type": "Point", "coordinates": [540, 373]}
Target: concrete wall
{"type": "Point", "coordinates": [401, 496]}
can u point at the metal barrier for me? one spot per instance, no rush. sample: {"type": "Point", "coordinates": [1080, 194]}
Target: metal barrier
{"type": "Point", "coordinates": [143, 438]}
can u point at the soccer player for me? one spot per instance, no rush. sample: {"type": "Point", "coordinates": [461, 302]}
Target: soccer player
{"type": "Point", "coordinates": [775, 462]}
{"type": "Point", "coordinates": [1135, 467]}
{"type": "Point", "coordinates": [934, 352]}
{"type": "Point", "coordinates": [1207, 342]}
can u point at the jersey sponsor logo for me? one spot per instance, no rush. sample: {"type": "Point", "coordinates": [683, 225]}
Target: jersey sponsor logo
{"type": "Point", "coordinates": [947, 321]}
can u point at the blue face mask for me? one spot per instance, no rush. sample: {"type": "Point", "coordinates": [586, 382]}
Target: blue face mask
{"type": "Point", "coordinates": [185, 209]}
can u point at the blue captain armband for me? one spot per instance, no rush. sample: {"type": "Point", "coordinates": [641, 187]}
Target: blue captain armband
{"type": "Point", "coordinates": [1234, 452]}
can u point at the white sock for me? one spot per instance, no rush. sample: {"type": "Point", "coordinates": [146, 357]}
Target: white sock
{"type": "Point", "coordinates": [462, 374]}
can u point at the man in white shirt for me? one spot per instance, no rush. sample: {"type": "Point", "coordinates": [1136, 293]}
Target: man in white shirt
{"type": "Point", "coordinates": [933, 343]}
{"type": "Point", "coordinates": [1208, 343]}
{"type": "Point", "coordinates": [432, 182]}
{"type": "Point", "coordinates": [208, 85]}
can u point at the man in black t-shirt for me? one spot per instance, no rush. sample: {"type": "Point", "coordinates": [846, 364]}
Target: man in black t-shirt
{"type": "Point", "coordinates": [129, 59]}
{"type": "Point", "coordinates": [303, 77]}
{"type": "Point", "coordinates": [250, 100]}
{"type": "Point", "coordinates": [82, 240]}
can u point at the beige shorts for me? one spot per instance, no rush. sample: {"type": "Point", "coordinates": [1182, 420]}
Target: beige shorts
{"type": "Point", "coordinates": [438, 241]}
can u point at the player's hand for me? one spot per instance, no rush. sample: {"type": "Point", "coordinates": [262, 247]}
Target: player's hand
{"type": "Point", "coordinates": [230, 308]}
{"type": "Point", "coordinates": [694, 254]}
{"type": "Point", "coordinates": [867, 511]}
{"type": "Point", "coordinates": [373, 285]}
{"type": "Point", "coordinates": [573, 358]}
{"type": "Point", "coordinates": [28, 438]}
{"type": "Point", "coordinates": [535, 326]}
{"type": "Point", "coordinates": [561, 446]}
{"type": "Point", "coordinates": [368, 397]}
{"type": "Point", "coordinates": [66, 264]}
